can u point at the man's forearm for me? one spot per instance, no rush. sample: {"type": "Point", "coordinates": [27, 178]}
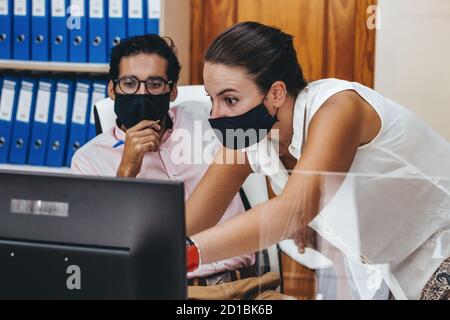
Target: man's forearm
{"type": "Point", "coordinates": [126, 172]}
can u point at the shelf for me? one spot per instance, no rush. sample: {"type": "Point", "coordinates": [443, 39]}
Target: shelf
{"type": "Point", "coordinates": [98, 68]}
{"type": "Point", "coordinates": [175, 22]}
{"type": "Point", "coordinates": [14, 167]}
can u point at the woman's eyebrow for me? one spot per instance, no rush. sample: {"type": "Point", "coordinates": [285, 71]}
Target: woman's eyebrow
{"type": "Point", "coordinates": [226, 91]}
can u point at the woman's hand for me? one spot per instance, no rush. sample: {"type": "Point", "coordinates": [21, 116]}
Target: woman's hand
{"type": "Point", "coordinates": [305, 237]}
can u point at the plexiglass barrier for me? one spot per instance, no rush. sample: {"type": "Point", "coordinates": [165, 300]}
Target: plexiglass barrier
{"type": "Point", "coordinates": [367, 236]}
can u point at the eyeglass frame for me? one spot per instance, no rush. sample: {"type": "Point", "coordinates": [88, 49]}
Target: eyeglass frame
{"type": "Point", "coordinates": [166, 82]}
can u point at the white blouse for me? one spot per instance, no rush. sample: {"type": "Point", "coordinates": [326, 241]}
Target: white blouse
{"type": "Point", "coordinates": [392, 212]}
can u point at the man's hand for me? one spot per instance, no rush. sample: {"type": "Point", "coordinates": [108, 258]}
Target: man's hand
{"type": "Point", "coordinates": [140, 139]}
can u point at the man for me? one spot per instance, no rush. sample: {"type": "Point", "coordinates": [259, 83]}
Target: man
{"type": "Point", "coordinates": [144, 71]}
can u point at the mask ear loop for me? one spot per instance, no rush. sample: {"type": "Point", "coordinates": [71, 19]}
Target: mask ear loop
{"type": "Point", "coordinates": [276, 113]}
{"type": "Point", "coordinates": [264, 99]}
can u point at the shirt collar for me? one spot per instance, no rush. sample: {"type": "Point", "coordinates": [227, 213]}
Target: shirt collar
{"type": "Point", "coordinates": [300, 119]}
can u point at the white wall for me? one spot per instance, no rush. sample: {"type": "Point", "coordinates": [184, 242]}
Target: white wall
{"type": "Point", "coordinates": [412, 63]}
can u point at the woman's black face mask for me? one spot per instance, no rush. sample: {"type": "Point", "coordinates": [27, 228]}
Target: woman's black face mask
{"type": "Point", "coordinates": [133, 108]}
{"type": "Point", "coordinates": [245, 130]}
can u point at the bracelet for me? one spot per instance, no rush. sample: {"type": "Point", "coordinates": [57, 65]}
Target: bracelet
{"type": "Point", "coordinates": [193, 248]}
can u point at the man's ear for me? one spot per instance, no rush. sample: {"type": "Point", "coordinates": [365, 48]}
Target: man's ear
{"type": "Point", "coordinates": [174, 92]}
{"type": "Point", "coordinates": [111, 92]}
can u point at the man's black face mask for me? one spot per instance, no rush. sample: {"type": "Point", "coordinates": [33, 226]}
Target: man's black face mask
{"type": "Point", "coordinates": [133, 108]}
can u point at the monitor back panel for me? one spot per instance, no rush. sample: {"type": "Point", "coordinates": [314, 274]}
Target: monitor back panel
{"type": "Point", "coordinates": [90, 238]}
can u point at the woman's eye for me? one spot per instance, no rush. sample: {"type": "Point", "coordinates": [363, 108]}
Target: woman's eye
{"type": "Point", "coordinates": [230, 101]}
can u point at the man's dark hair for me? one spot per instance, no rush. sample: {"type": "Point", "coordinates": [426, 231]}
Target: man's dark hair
{"type": "Point", "coordinates": [267, 53]}
{"type": "Point", "coordinates": [149, 44]}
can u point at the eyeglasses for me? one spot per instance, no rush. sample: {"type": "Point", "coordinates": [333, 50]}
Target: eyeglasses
{"type": "Point", "coordinates": [153, 85]}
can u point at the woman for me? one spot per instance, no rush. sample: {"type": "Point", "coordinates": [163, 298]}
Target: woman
{"type": "Point", "coordinates": [383, 205]}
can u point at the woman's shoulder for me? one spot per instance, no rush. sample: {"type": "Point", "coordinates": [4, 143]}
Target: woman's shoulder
{"type": "Point", "coordinates": [321, 90]}
{"type": "Point", "coordinates": [314, 96]}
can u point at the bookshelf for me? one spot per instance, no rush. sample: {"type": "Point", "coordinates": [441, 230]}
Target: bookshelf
{"type": "Point", "coordinates": [54, 66]}
{"type": "Point", "coordinates": [175, 22]}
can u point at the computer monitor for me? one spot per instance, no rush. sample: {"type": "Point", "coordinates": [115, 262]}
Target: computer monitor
{"type": "Point", "coordinates": [72, 237]}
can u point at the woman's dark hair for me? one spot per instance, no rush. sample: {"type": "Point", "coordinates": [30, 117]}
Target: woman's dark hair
{"type": "Point", "coordinates": [149, 44]}
{"type": "Point", "coordinates": [267, 53]}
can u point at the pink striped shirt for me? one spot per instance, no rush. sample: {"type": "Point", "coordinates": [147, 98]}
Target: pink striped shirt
{"type": "Point", "coordinates": [100, 158]}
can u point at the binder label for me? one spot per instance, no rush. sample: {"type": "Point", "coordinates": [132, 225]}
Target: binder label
{"type": "Point", "coordinates": [115, 9]}
{"type": "Point", "coordinates": [4, 7]}
{"type": "Point", "coordinates": [7, 101]}
{"type": "Point", "coordinates": [20, 7]}
{"type": "Point", "coordinates": [61, 101]}
{"type": "Point", "coordinates": [43, 103]}
{"type": "Point", "coordinates": [38, 8]}
{"type": "Point", "coordinates": [135, 9]}
{"type": "Point", "coordinates": [24, 104]}
{"type": "Point", "coordinates": [58, 8]}
{"type": "Point", "coordinates": [76, 8]}
{"type": "Point", "coordinates": [154, 9]}
{"type": "Point", "coordinates": [96, 9]}
{"type": "Point", "coordinates": [80, 104]}
{"type": "Point", "coordinates": [96, 97]}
